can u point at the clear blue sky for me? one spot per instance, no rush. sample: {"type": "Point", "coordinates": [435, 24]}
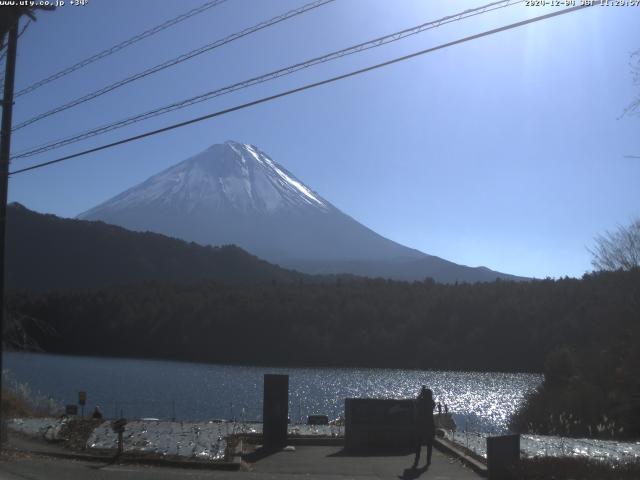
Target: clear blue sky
{"type": "Point", "coordinates": [507, 152]}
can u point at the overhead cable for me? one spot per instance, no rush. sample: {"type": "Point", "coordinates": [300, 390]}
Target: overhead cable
{"type": "Point", "coordinates": [303, 88]}
{"type": "Point", "coordinates": [4, 48]}
{"type": "Point", "coordinates": [377, 42]}
{"type": "Point", "coordinates": [174, 61]}
{"type": "Point", "coordinates": [120, 46]}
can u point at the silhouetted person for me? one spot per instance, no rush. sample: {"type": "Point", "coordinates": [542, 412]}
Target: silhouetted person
{"type": "Point", "coordinates": [446, 409]}
{"type": "Point", "coordinates": [424, 424]}
{"type": "Point", "coordinates": [97, 414]}
{"type": "Point", "coordinates": [439, 408]}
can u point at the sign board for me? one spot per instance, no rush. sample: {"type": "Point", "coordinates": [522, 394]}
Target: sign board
{"type": "Point", "coordinates": [82, 398]}
{"type": "Point", "coordinates": [379, 424]}
{"type": "Point", "coordinates": [71, 409]}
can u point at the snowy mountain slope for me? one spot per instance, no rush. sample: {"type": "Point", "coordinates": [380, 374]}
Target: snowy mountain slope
{"type": "Point", "coordinates": [233, 193]}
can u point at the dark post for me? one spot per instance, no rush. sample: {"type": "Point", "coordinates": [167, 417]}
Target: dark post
{"type": "Point", "coordinates": [275, 411]}
{"type": "Point", "coordinates": [5, 150]}
{"type": "Point", "coordinates": [82, 400]}
{"type": "Point", "coordinates": [120, 442]}
{"type": "Point", "coordinates": [503, 453]}
{"type": "Point", "coordinates": [118, 427]}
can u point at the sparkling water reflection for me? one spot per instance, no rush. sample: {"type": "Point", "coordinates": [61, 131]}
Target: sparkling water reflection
{"type": "Point", "coordinates": [187, 391]}
{"type": "Point", "coordinates": [549, 446]}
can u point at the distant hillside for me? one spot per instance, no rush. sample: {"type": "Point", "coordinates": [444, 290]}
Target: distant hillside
{"type": "Point", "coordinates": [46, 252]}
{"type": "Point", "coordinates": [412, 270]}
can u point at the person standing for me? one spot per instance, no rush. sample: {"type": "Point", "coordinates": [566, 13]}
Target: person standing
{"type": "Point", "coordinates": [97, 413]}
{"type": "Point", "coordinates": [425, 427]}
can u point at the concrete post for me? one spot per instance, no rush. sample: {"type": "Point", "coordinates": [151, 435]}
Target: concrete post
{"type": "Point", "coordinates": [275, 411]}
{"type": "Point", "coordinates": [503, 453]}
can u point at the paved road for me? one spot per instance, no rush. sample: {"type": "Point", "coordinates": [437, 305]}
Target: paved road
{"type": "Point", "coordinates": [330, 462]}
{"type": "Point", "coordinates": [308, 463]}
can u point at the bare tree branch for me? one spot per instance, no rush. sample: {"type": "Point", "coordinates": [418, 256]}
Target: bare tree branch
{"type": "Point", "coordinates": [619, 250]}
{"type": "Point", "coordinates": [634, 107]}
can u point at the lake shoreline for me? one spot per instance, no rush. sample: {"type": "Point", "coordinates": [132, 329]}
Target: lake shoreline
{"type": "Point", "coordinates": [269, 365]}
{"type": "Point", "coordinates": [208, 440]}
{"type": "Point", "coordinates": [482, 401]}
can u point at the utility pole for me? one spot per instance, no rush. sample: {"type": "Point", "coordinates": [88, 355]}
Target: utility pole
{"type": "Point", "coordinates": [9, 21]}
{"type": "Point", "coordinates": [5, 151]}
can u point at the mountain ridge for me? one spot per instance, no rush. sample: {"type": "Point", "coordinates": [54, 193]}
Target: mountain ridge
{"type": "Point", "coordinates": [83, 254]}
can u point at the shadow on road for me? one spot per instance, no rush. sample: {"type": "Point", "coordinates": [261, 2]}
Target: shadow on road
{"type": "Point", "coordinates": [258, 454]}
{"type": "Point", "coordinates": [372, 453]}
{"type": "Point", "coordinates": [412, 473]}
{"type": "Point", "coordinates": [107, 463]}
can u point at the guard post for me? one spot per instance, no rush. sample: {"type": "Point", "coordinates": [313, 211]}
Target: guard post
{"type": "Point", "coordinates": [503, 453]}
{"type": "Point", "coordinates": [275, 411]}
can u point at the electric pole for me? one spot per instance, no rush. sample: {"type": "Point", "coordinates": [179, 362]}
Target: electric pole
{"type": "Point", "coordinates": [9, 21]}
{"type": "Point", "coordinates": [5, 151]}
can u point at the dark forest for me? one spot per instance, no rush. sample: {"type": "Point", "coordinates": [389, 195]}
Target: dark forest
{"type": "Point", "coordinates": [582, 333]}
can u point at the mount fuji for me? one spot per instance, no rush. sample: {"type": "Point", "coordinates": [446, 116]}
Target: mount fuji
{"type": "Point", "coordinates": [234, 193]}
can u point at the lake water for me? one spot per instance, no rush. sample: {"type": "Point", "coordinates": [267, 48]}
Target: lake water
{"type": "Point", "coordinates": [479, 401]}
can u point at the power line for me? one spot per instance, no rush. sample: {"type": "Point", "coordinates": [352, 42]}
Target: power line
{"type": "Point", "coordinates": [26, 25]}
{"type": "Point", "coordinates": [116, 48]}
{"type": "Point", "coordinates": [4, 50]}
{"type": "Point", "coordinates": [175, 61]}
{"type": "Point", "coordinates": [266, 77]}
{"type": "Point", "coordinates": [304, 87]}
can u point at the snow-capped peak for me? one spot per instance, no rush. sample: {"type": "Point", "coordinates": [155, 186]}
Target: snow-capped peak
{"type": "Point", "coordinates": [288, 179]}
{"type": "Point", "coordinates": [233, 176]}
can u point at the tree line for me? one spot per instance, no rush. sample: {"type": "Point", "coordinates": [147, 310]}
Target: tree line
{"type": "Point", "coordinates": [583, 333]}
